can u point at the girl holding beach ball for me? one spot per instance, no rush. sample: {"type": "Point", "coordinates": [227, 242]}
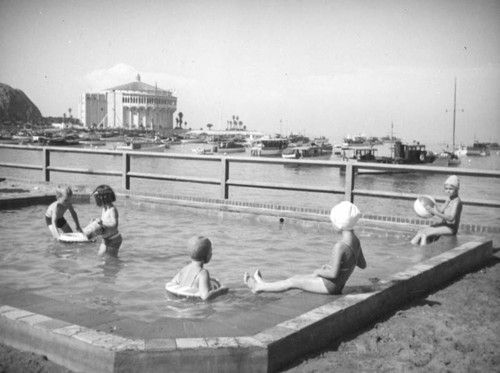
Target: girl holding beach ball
{"type": "Point", "coordinates": [449, 213]}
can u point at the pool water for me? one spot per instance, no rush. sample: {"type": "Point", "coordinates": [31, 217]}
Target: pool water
{"type": "Point", "coordinates": [154, 249]}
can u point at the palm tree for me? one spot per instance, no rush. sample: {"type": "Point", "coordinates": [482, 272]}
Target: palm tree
{"type": "Point", "coordinates": [209, 126]}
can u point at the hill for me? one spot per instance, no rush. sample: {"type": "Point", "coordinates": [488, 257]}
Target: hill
{"type": "Point", "coordinates": [16, 106]}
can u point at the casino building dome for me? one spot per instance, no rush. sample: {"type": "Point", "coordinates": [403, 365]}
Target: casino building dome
{"type": "Point", "coordinates": [134, 105]}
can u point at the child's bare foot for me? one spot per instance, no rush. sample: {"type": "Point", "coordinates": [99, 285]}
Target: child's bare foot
{"type": "Point", "coordinates": [249, 281]}
{"type": "Point", "coordinates": [257, 276]}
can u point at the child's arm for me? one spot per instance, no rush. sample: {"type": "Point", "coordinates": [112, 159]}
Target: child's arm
{"type": "Point", "coordinates": [75, 217]}
{"type": "Point", "coordinates": [216, 292]}
{"type": "Point", "coordinates": [449, 214]}
{"type": "Point", "coordinates": [361, 259]}
{"type": "Point", "coordinates": [53, 218]}
{"type": "Point", "coordinates": [204, 284]}
{"type": "Point", "coordinates": [176, 278]}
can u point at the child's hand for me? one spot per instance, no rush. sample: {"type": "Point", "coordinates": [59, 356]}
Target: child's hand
{"type": "Point", "coordinates": [317, 272]}
{"type": "Point", "coordinates": [430, 209]}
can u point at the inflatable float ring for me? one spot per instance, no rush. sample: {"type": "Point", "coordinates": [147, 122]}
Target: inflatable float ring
{"type": "Point", "coordinates": [174, 288]}
{"type": "Point", "coordinates": [73, 237]}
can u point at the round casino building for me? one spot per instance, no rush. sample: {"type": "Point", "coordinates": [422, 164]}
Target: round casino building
{"type": "Point", "coordinates": [135, 105]}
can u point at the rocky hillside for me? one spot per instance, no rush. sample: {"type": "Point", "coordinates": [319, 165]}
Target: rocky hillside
{"type": "Point", "coordinates": [16, 106]}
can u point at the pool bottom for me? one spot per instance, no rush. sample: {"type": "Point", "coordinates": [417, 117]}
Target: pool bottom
{"type": "Point", "coordinates": [261, 340]}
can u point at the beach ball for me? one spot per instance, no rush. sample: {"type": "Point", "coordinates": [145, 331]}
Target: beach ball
{"type": "Point", "coordinates": [92, 230]}
{"type": "Point", "coordinates": [419, 206]}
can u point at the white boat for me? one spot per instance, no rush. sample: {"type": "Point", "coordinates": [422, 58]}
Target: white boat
{"type": "Point", "coordinates": [194, 138]}
{"type": "Point", "coordinates": [144, 146]}
{"type": "Point", "coordinates": [477, 149]}
{"type": "Point", "coordinates": [446, 159]}
{"type": "Point", "coordinates": [324, 144]}
{"type": "Point", "coordinates": [267, 147]}
{"type": "Point", "coordinates": [203, 151]}
{"type": "Point", "coordinates": [230, 147]}
{"type": "Point", "coordinates": [302, 151]}
{"type": "Point", "coordinates": [337, 149]}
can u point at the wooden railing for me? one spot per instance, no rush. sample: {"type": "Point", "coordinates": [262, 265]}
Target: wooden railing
{"type": "Point", "coordinates": [225, 181]}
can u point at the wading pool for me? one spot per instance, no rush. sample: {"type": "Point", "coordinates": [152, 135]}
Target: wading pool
{"type": "Point", "coordinates": [154, 249]}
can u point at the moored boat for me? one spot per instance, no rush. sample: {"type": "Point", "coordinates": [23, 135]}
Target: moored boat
{"type": "Point", "coordinates": [446, 159]}
{"type": "Point", "coordinates": [203, 151]}
{"type": "Point", "coordinates": [141, 145]}
{"type": "Point", "coordinates": [412, 153]}
{"type": "Point", "coordinates": [268, 147]}
{"type": "Point", "coordinates": [302, 151]}
{"type": "Point", "coordinates": [476, 149]}
{"type": "Point", "coordinates": [230, 147]}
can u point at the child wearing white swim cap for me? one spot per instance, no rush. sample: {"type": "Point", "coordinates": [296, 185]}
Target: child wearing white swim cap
{"type": "Point", "coordinates": [449, 213]}
{"type": "Point", "coordinates": [330, 278]}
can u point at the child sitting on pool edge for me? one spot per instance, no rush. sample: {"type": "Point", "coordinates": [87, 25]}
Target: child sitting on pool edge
{"type": "Point", "coordinates": [54, 216]}
{"type": "Point", "coordinates": [194, 275]}
{"type": "Point", "coordinates": [107, 225]}
{"type": "Point", "coordinates": [331, 278]}
{"type": "Point", "coordinates": [449, 213]}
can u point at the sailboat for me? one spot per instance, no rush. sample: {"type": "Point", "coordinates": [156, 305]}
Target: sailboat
{"type": "Point", "coordinates": [449, 158]}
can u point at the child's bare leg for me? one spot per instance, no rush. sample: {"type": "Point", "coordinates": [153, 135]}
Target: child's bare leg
{"type": "Point", "coordinates": [102, 249]}
{"type": "Point", "coordinates": [309, 283]}
{"type": "Point", "coordinates": [435, 232]}
{"type": "Point", "coordinates": [416, 240]}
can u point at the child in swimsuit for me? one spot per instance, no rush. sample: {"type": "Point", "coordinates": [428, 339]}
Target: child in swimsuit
{"type": "Point", "coordinates": [107, 225]}
{"type": "Point", "coordinates": [194, 275]}
{"type": "Point", "coordinates": [449, 213]}
{"type": "Point", "coordinates": [54, 216]}
{"type": "Point", "coordinates": [331, 278]}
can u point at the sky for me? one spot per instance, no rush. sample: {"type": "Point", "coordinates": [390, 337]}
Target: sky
{"type": "Point", "coordinates": [331, 68]}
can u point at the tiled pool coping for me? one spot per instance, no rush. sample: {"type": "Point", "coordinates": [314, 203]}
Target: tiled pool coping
{"type": "Point", "coordinates": [260, 341]}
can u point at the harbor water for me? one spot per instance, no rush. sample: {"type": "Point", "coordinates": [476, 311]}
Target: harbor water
{"type": "Point", "coordinates": [429, 184]}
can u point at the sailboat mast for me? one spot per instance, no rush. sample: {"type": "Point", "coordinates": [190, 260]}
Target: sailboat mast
{"type": "Point", "coordinates": [454, 113]}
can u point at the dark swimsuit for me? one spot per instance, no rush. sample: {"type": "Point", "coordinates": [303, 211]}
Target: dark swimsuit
{"type": "Point", "coordinates": [335, 286]}
{"type": "Point", "coordinates": [454, 224]}
{"type": "Point", "coordinates": [61, 222]}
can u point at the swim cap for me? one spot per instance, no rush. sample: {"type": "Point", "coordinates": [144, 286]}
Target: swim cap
{"type": "Point", "coordinates": [201, 249]}
{"type": "Point", "coordinates": [345, 215]}
{"type": "Point", "coordinates": [453, 180]}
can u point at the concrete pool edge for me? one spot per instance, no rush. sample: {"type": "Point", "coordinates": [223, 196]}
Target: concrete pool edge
{"type": "Point", "coordinates": [83, 349]}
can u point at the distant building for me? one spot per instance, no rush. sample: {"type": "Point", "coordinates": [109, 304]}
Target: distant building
{"type": "Point", "coordinates": [135, 105]}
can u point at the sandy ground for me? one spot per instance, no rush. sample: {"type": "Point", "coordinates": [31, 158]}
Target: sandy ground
{"type": "Point", "coordinates": [454, 329]}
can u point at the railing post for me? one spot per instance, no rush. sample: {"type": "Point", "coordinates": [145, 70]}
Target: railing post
{"type": "Point", "coordinates": [125, 171]}
{"type": "Point", "coordinates": [349, 182]}
{"type": "Point", "coordinates": [224, 176]}
{"type": "Point", "coordinates": [46, 164]}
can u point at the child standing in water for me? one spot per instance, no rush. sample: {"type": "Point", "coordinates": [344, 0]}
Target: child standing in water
{"type": "Point", "coordinates": [54, 216]}
{"type": "Point", "coordinates": [331, 278]}
{"type": "Point", "coordinates": [194, 276]}
{"type": "Point", "coordinates": [449, 213]}
{"type": "Point", "coordinates": [108, 223]}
